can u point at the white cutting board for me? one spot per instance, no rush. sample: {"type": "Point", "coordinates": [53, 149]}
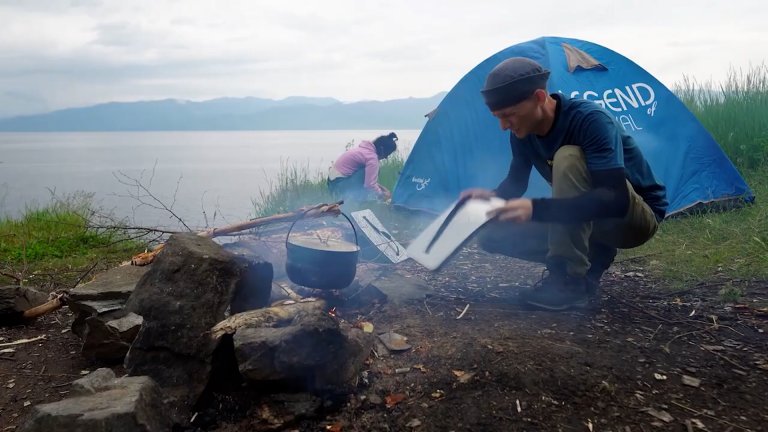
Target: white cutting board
{"type": "Point", "coordinates": [466, 221]}
{"type": "Point", "coordinates": [379, 236]}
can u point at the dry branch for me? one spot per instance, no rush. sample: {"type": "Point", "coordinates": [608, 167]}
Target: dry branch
{"type": "Point", "coordinates": [315, 211]}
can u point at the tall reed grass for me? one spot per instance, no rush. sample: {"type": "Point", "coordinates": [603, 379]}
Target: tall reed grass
{"type": "Point", "coordinates": [735, 112]}
{"type": "Point", "coordinates": [296, 185]}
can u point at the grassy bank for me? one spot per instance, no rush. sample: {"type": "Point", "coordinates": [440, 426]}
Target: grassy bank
{"type": "Point", "coordinates": [53, 246]}
{"type": "Point", "coordinates": [711, 246]}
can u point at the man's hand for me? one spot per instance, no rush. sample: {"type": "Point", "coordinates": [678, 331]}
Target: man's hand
{"type": "Point", "coordinates": [517, 210]}
{"type": "Point", "coordinates": [476, 193]}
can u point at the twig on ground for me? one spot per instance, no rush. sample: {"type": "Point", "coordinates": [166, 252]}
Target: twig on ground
{"type": "Point", "coordinates": [654, 332]}
{"type": "Point", "coordinates": [720, 355]}
{"type": "Point", "coordinates": [634, 306]}
{"type": "Point", "coordinates": [425, 305]}
{"type": "Point", "coordinates": [35, 373]}
{"type": "Point", "coordinates": [22, 341]}
{"type": "Point", "coordinates": [635, 258]}
{"type": "Point", "coordinates": [463, 312]}
{"type": "Point", "coordinates": [697, 287]}
{"type": "Point", "coordinates": [701, 413]}
{"type": "Point", "coordinates": [288, 291]}
{"type": "Point", "coordinates": [666, 346]}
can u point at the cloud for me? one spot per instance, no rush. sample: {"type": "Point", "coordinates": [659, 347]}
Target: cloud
{"type": "Point", "coordinates": [79, 52]}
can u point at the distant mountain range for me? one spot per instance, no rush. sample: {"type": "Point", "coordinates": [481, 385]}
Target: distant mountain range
{"type": "Point", "coordinates": [247, 113]}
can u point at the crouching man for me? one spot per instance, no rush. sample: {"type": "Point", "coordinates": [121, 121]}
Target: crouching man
{"type": "Point", "coordinates": [604, 194]}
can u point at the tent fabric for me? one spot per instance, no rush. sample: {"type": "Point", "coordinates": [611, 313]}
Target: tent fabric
{"type": "Point", "coordinates": [462, 145]}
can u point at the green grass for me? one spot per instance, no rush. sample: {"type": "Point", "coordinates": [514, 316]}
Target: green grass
{"type": "Point", "coordinates": [709, 246]}
{"type": "Point", "coordinates": [731, 244]}
{"type": "Point", "coordinates": [54, 244]}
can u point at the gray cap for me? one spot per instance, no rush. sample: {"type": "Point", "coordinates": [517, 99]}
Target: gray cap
{"type": "Point", "coordinates": [512, 81]}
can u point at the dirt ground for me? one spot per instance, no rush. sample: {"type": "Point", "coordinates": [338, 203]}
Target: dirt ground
{"type": "Point", "coordinates": [639, 359]}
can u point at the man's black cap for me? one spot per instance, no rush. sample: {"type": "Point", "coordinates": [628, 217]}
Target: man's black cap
{"type": "Point", "coordinates": [512, 81]}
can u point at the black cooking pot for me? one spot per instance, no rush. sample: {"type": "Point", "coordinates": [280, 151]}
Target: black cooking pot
{"type": "Point", "coordinates": [314, 263]}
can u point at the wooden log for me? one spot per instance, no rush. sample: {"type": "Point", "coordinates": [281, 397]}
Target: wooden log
{"type": "Point", "coordinates": [50, 306]}
{"type": "Point", "coordinates": [12, 318]}
{"type": "Point", "coordinates": [266, 317]}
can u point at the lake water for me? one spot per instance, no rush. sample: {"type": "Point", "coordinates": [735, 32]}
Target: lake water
{"type": "Point", "coordinates": [214, 171]}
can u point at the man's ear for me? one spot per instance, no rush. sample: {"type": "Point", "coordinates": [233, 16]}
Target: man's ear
{"type": "Point", "coordinates": [540, 95]}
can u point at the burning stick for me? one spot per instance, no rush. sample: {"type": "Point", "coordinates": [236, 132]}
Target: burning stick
{"type": "Point", "coordinates": [318, 210]}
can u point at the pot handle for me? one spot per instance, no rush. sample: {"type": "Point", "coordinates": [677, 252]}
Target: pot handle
{"type": "Point", "coordinates": [302, 217]}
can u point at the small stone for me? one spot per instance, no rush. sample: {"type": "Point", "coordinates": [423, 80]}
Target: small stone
{"type": "Point", "coordinates": [413, 423]}
{"type": "Point", "coordinates": [661, 415]}
{"type": "Point", "coordinates": [691, 381]}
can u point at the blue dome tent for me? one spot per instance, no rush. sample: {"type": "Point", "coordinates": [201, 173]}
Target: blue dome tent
{"type": "Point", "coordinates": [462, 145]}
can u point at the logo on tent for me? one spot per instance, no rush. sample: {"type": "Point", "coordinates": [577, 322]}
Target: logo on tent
{"type": "Point", "coordinates": [634, 96]}
{"type": "Point", "coordinates": [421, 183]}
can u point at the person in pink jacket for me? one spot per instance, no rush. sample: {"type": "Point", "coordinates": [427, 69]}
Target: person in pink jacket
{"type": "Point", "coordinates": [355, 174]}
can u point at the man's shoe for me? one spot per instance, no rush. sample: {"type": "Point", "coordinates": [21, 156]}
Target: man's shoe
{"type": "Point", "coordinates": [557, 293]}
{"type": "Point", "coordinates": [601, 257]}
{"type": "Point", "coordinates": [593, 284]}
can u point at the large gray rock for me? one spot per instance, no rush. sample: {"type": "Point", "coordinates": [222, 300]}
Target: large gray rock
{"type": "Point", "coordinates": [313, 349]}
{"type": "Point", "coordinates": [254, 289]}
{"type": "Point", "coordinates": [131, 404]}
{"type": "Point", "coordinates": [20, 298]}
{"type": "Point", "coordinates": [103, 297]}
{"type": "Point", "coordinates": [104, 309]}
{"type": "Point", "coordinates": [184, 294]}
{"type": "Point", "coordinates": [115, 283]}
{"type": "Point", "coordinates": [15, 300]}
{"type": "Point", "coordinates": [109, 340]}
{"type": "Point", "coordinates": [94, 382]}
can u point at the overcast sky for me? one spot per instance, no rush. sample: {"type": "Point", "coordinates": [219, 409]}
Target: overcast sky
{"type": "Point", "coordinates": [63, 53]}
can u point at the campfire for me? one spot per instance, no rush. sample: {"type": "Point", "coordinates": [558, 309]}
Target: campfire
{"type": "Point", "coordinates": [190, 301]}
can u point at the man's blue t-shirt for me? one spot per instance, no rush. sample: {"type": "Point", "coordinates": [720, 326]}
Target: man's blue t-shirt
{"type": "Point", "coordinates": [605, 144]}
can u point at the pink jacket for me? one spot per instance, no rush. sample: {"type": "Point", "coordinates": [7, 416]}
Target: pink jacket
{"type": "Point", "coordinates": [362, 156]}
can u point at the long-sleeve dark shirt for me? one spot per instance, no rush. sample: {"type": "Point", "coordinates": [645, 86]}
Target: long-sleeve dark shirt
{"type": "Point", "coordinates": [612, 158]}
